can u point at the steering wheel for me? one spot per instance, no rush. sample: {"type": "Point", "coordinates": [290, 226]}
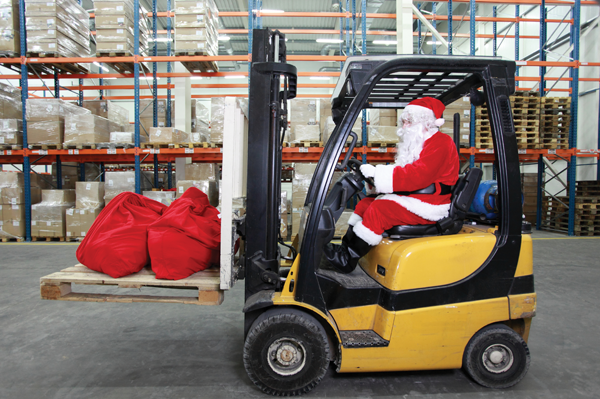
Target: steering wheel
{"type": "Point", "coordinates": [354, 164]}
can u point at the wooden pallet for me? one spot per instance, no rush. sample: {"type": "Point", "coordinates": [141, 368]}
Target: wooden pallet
{"type": "Point", "coordinates": [484, 142]}
{"type": "Point", "coordinates": [555, 100]}
{"type": "Point", "coordinates": [519, 123]}
{"type": "Point", "coordinates": [82, 146]}
{"type": "Point", "coordinates": [525, 113]}
{"type": "Point", "coordinates": [197, 66]}
{"type": "Point", "coordinates": [45, 146]}
{"type": "Point", "coordinates": [181, 145]}
{"type": "Point", "coordinates": [47, 239]}
{"type": "Point", "coordinates": [65, 68]}
{"type": "Point", "coordinates": [382, 143]}
{"type": "Point", "coordinates": [57, 286]}
{"type": "Point", "coordinates": [122, 67]}
{"type": "Point", "coordinates": [527, 94]}
{"type": "Point", "coordinates": [307, 144]}
{"type": "Point", "coordinates": [11, 147]}
{"type": "Point", "coordinates": [13, 239]}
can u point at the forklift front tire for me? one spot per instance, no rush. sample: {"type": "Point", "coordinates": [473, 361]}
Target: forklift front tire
{"type": "Point", "coordinates": [286, 352]}
{"type": "Point", "coordinates": [497, 357]}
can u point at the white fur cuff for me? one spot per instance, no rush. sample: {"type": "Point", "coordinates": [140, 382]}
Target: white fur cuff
{"type": "Point", "coordinates": [384, 178]}
{"type": "Point", "coordinates": [423, 209]}
{"type": "Point", "coordinates": [354, 218]}
{"type": "Point", "coordinates": [367, 235]}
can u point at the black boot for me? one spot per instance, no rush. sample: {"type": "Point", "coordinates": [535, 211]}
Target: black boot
{"type": "Point", "coordinates": [345, 257]}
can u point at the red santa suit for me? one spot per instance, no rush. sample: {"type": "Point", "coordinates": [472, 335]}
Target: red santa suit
{"type": "Point", "coordinates": [437, 163]}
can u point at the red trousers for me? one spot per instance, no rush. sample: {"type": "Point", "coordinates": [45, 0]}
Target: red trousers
{"type": "Point", "coordinates": [381, 215]}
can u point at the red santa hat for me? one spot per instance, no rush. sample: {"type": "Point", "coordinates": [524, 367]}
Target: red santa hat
{"type": "Point", "coordinates": [429, 105]}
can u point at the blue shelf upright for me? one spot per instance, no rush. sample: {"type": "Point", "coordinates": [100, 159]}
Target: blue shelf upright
{"type": "Point", "coordinates": [449, 27]}
{"type": "Point", "coordinates": [136, 91]}
{"type": "Point", "coordinates": [472, 52]}
{"type": "Point", "coordinates": [574, 74]}
{"type": "Point", "coordinates": [155, 85]}
{"type": "Point", "coordinates": [24, 94]}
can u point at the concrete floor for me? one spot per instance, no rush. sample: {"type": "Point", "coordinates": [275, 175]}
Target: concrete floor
{"type": "Point", "coordinates": [53, 349]}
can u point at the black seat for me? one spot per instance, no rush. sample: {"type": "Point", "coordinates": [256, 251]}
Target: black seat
{"type": "Point", "coordinates": [463, 193]}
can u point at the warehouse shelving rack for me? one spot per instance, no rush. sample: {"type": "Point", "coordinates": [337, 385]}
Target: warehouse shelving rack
{"type": "Point", "coordinates": [137, 156]}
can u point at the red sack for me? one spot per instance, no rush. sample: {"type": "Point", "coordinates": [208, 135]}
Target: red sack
{"type": "Point", "coordinates": [187, 238]}
{"type": "Point", "coordinates": [117, 242]}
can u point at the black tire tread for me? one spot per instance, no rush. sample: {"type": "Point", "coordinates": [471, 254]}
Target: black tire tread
{"type": "Point", "coordinates": [295, 317]}
{"type": "Point", "coordinates": [468, 361]}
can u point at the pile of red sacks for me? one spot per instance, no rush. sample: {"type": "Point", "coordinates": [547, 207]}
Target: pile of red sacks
{"type": "Point", "coordinates": [134, 231]}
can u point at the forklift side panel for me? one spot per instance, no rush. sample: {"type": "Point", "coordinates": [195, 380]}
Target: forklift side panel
{"type": "Point", "coordinates": [363, 318]}
{"type": "Point", "coordinates": [427, 339]}
{"type": "Point", "coordinates": [428, 261]}
{"type": "Point", "coordinates": [525, 265]}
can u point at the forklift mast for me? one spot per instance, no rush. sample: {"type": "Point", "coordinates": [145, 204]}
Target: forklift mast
{"type": "Point", "coordinates": [267, 124]}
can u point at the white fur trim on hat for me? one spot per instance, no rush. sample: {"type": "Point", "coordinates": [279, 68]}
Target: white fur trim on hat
{"type": "Point", "coordinates": [439, 122]}
{"type": "Point", "coordinates": [384, 178]}
{"type": "Point", "coordinates": [367, 235]}
{"type": "Point", "coordinates": [354, 218]}
{"type": "Point", "coordinates": [423, 209]}
{"type": "Point", "coordinates": [417, 109]}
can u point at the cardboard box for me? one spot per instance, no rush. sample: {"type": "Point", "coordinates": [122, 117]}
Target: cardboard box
{"type": "Point", "coordinates": [164, 197]}
{"type": "Point", "coordinates": [9, 17]}
{"type": "Point", "coordinates": [84, 129]}
{"type": "Point", "coordinates": [192, 20]}
{"type": "Point", "coordinates": [217, 119]}
{"type": "Point", "coordinates": [202, 171]}
{"type": "Point", "coordinates": [167, 135]}
{"type": "Point", "coordinates": [324, 112]}
{"type": "Point", "coordinates": [108, 110]}
{"type": "Point", "coordinates": [382, 134]}
{"type": "Point", "coordinates": [12, 220]}
{"type": "Point", "coordinates": [9, 41]}
{"type": "Point", "coordinates": [58, 197]}
{"type": "Point", "coordinates": [303, 111]}
{"type": "Point", "coordinates": [16, 195]}
{"type": "Point", "coordinates": [89, 194]}
{"type": "Point", "coordinates": [208, 187]}
{"type": "Point", "coordinates": [79, 221]}
{"type": "Point", "coordinates": [45, 132]}
{"type": "Point", "coordinates": [194, 34]}
{"type": "Point", "coordinates": [13, 138]}
{"type": "Point", "coordinates": [302, 133]}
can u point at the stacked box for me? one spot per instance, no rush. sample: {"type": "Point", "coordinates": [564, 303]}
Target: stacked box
{"type": "Point", "coordinates": [303, 173]}
{"type": "Point", "coordinates": [108, 110]}
{"type": "Point", "coordinates": [202, 171]}
{"type": "Point", "coordinates": [330, 126]}
{"type": "Point", "coordinates": [88, 129]}
{"type": "Point", "coordinates": [58, 28]}
{"type": "Point", "coordinates": [196, 27]}
{"type": "Point", "coordinates": [89, 204]}
{"type": "Point", "coordinates": [46, 119]}
{"type": "Point", "coordinates": [48, 218]}
{"type": "Point", "coordinates": [147, 118]}
{"type": "Point", "coordinates": [382, 134]}
{"type": "Point", "coordinates": [383, 117]}
{"type": "Point", "coordinates": [463, 108]}
{"type": "Point", "coordinates": [167, 135]}
{"type": "Point", "coordinates": [119, 182]}
{"type": "Point", "coordinates": [302, 112]}
{"type": "Point", "coordinates": [200, 122]}
{"type": "Point", "coordinates": [11, 132]}
{"type": "Point", "coordinates": [9, 28]}
{"type": "Point", "coordinates": [115, 29]}
{"type": "Point", "coordinates": [12, 202]}
{"type": "Point", "coordinates": [217, 119]}
{"type": "Point", "coordinates": [529, 187]}
{"type": "Point", "coordinates": [10, 102]}
{"type": "Point", "coordinates": [164, 197]}
{"type": "Point", "coordinates": [305, 133]}
{"type": "Point", "coordinates": [324, 112]}
{"type": "Point", "coordinates": [126, 138]}
{"type": "Point", "coordinates": [208, 187]}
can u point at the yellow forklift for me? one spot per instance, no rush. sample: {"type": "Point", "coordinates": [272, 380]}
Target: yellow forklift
{"type": "Point", "coordinates": [459, 293]}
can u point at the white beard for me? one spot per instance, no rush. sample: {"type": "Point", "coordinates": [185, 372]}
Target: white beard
{"type": "Point", "coordinates": [411, 143]}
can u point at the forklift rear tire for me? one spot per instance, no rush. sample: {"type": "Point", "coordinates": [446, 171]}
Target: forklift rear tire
{"type": "Point", "coordinates": [497, 357]}
{"type": "Point", "coordinates": [286, 352]}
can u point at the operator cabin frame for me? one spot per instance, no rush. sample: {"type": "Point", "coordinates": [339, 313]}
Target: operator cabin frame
{"type": "Point", "coordinates": [392, 82]}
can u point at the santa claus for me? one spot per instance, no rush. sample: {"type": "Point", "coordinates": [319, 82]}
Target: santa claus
{"type": "Point", "coordinates": [415, 190]}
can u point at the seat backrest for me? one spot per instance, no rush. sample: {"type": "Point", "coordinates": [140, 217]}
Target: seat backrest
{"type": "Point", "coordinates": [464, 192]}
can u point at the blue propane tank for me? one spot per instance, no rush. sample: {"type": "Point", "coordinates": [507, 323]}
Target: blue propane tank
{"type": "Point", "coordinates": [485, 199]}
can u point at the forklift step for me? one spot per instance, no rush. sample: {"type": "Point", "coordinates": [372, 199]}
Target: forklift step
{"type": "Point", "coordinates": [362, 339]}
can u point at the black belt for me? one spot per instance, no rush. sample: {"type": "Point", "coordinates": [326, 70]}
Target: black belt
{"type": "Point", "coordinates": [445, 189]}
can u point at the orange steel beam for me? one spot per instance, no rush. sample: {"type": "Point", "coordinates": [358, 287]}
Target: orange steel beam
{"type": "Point", "coordinates": [436, 17]}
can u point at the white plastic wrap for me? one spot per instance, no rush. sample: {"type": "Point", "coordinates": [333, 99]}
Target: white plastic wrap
{"type": "Point", "coordinates": [108, 110]}
{"type": "Point", "coordinates": [382, 134]}
{"type": "Point", "coordinates": [303, 111]}
{"type": "Point", "coordinates": [126, 138]}
{"type": "Point", "coordinates": [305, 133]}
{"type": "Point", "coordinates": [167, 135]}
{"type": "Point", "coordinates": [11, 131]}
{"type": "Point", "coordinates": [79, 221]}
{"type": "Point", "coordinates": [164, 197]}
{"type": "Point", "coordinates": [45, 119]}
{"type": "Point", "coordinates": [9, 42]}
{"type": "Point", "coordinates": [89, 194]}
{"type": "Point", "coordinates": [200, 112]}
{"type": "Point", "coordinates": [217, 119]}
{"type": "Point", "coordinates": [115, 29]}
{"type": "Point", "coordinates": [202, 171]}
{"type": "Point", "coordinates": [116, 183]}
{"type": "Point", "coordinates": [382, 117]}
{"type": "Point", "coordinates": [48, 217]}
{"type": "Point", "coordinates": [88, 129]}
{"type": "Point", "coordinates": [10, 102]}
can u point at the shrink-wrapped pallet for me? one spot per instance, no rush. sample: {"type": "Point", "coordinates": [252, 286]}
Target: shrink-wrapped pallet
{"type": "Point", "coordinates": [48, 217]}
{"type": "Point", "coordinates": [89, 194]}
{"type": "Point", "coordinates": [11, 132]}
{"type": "Point", "coordinates": [58, 28]}
{"type": "Point", "coordinates": [115, 27]}
{"type": "Point", "coordinates": [46, 119]}
{"type": "Point", "coordinates": [79, 220]}
{"type": "Point", "coordinates": [208, 187]}
{"type": "Point", "coordinates": [202, 171]}
{"type": "Point", "coordinates": [10, 102]}
{"type": "Point", "coordinates": [382, 134]}
{"type": "Point", "coordinates": [196, 27]}
{"type": "Point", "coordinates": [305, 133]}
{"type": "Point", "coordinates": [383, 117]}
{"type": "Point", "coordinates": [12, 202]}
{"type": "Point", "coordinates": [116, 183]}
{"type": "Point", "coordinates": [9, 28]}
{"type": "Point", "coordinates": [88, 129]}
{"type": "Point", "coordinates": [109, 110]}
{"type": "Point", "coordinates": [217, 119]}
{"type": "Point", "coordinates": [167, 135]}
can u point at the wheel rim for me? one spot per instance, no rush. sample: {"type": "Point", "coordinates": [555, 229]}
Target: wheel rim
{"type": "Point", "coordinates": [497, 358]}
{"type": "Point", "coordinates": [286, 356]}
